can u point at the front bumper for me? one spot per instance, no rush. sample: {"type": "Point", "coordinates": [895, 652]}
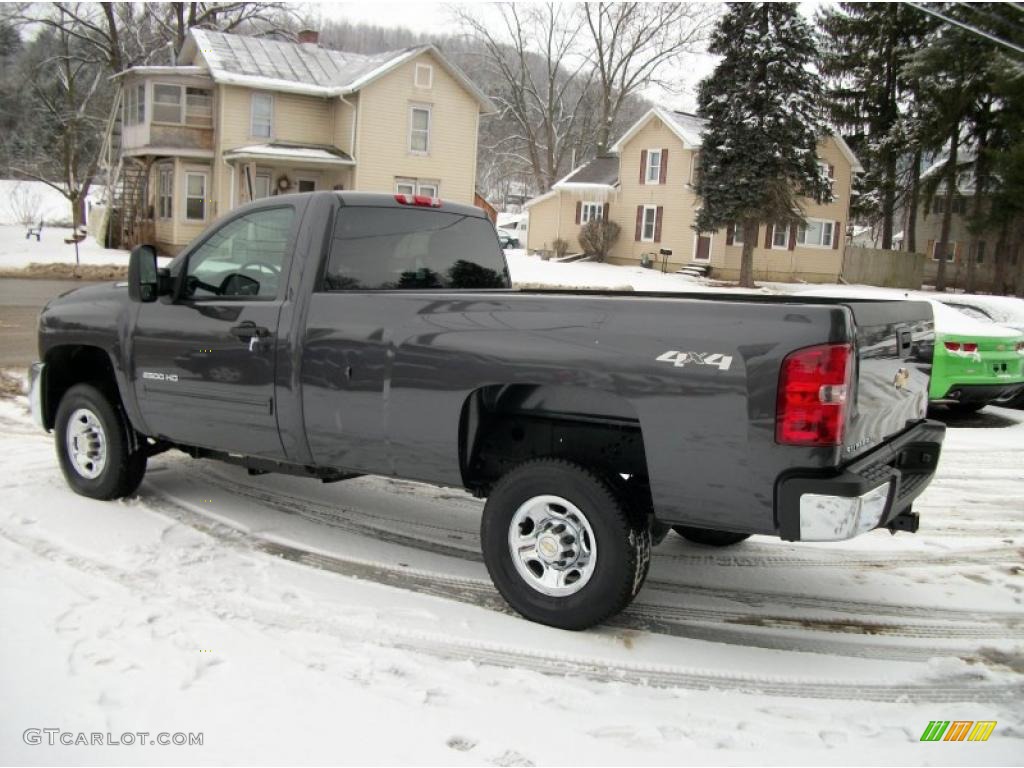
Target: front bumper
{"type": "Point", "coordinates": [868, 493]}
{"type": "Point", "coordinates": [981, 393]}
{"type": "Point", "coordinates": [36, 374]}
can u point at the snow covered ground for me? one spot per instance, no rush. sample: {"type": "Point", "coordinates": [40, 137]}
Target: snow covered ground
{"type": "Point", "coordinates": [16, 251]}
{"type": "Point", "coordinates": [299, 623]}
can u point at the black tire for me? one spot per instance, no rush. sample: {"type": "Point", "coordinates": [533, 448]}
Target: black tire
{"type": "Point", "coordinates": [123, 469]}
{"type": "Point", "coordinates": [622, 534]}
{"type": "Point", "coordinates": [708, 537]}
{"type": "Point", "coordinates": [965, 409]}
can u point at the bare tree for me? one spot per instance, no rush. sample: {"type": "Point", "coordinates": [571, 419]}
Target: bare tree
{"type": "Point", "coordinates": [534, 54]}
{"type": "Point", "coordinates": [69, 114]}
{"type": "Point", "coordinates": [25, 204]}
{"type": "Point", "coordinates": [633, 46]}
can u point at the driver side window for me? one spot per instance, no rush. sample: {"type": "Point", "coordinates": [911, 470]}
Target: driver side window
{"type": "Point", "coordinates": [243, 258]}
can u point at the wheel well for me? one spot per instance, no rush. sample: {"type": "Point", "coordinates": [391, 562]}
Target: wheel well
{"type": "Point", "coordinates": [505, 425]}
{"type": "Point", "coordinates": [75, 364]}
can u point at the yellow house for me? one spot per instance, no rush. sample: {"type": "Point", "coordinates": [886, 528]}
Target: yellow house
{"type": "Point", "coordinates": [241, 118]}
{"type": "Point", "coordinates": [646, 186]}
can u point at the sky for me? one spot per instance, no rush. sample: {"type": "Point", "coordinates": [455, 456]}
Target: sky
{"type": "Point", "coordinates": [437, 17]}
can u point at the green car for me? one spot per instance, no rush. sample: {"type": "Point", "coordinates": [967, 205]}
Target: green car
{"type": "Point", "coordinates": [974, 363]}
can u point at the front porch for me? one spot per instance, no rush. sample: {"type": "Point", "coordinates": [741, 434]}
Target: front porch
{"type": "Point", "coordinates": [278, 168]}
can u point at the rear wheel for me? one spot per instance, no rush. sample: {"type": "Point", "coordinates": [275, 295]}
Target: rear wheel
{"type": "Point", "coordinates": [709, 537]}
{"type": "Point", "coordinates": [562, 545]}
{"type": "Point", "coordinates": [95, 456]}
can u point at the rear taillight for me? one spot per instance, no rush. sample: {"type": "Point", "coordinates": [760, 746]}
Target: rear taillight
{"type": "Point", "coordinates": [966, 346]}
{"type": "Point", "coordinates": [422, 200]}
{"type": "Point", "coordinates": [813, 390]}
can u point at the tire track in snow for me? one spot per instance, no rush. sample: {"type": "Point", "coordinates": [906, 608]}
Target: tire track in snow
{"type": "Point", "coordinates": [966, 688]}
{"type": "Point", "coordinates": [713, 625]}
{"type": "Point", "coordinates": [346, 518]}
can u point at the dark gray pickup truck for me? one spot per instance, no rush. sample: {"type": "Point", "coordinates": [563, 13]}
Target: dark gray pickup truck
{"type": "Point", "coordinates": [333, 334]}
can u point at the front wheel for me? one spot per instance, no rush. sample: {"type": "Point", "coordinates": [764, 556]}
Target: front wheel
{"type": "Point", "coordinates": [95, 456]}
{"type": "Point", "coordinates": [709, 537]}
{"type": "Point", "coordinates": [562, 545]}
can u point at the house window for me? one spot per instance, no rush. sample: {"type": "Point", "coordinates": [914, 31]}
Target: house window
{"type": "Point", "coordinates": [427, 187]}
{"type": "Point", "coordinates": [695, 169]}
{"type": "Point", "coordinates": [950, 250]}
{"type": "Point", "coordinates": [737, 234]}
{"type": "Point", "coordinates": [780, 236]}
{"type": "Point", "coordinates": [140, 103]}
{"type": "Point", "coordinates": [195, 196]}
{"type": "Point", "coordinates": [262, 115]}
{"type": "Point", "coordinates": [816, 233]}
{"type": "Point", "coordinates": [419, 129]}
{"type": "Point", "coordinates": [424, 76]}
{"type": "Point", "coordinates": [591, 212]}
{"type": "Point", "coordinates": [261, 186]}
{"type": "Point", "coordinates": [653, 175]}
{"type": "Point", "coordinates": [165, 192]}
{"type": "Point", "coordinates": [135, 105]}
{"type": "Point", "coordinates": [198, 107]}
{"type": "Point", "coordinates": [979, 253]}
{"type": "Point", "coordinates": [650, 222]}
{"type": "Point", "coordinates": [166, 103]}
{"type": "Point", "coordinates": [306, 185]}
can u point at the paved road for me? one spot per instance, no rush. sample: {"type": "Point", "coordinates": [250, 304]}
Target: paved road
{"type": "Point", "coordinates": [20, 302]}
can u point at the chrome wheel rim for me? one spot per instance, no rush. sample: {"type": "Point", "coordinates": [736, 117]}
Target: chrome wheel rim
{"type": "Point", "coordinates": [552, 545]}
{"type": "Point", "coordinates": [86, 444]}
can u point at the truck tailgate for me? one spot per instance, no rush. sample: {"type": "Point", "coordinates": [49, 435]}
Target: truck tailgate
{"type": "Point", "coordinates": [894, 345]}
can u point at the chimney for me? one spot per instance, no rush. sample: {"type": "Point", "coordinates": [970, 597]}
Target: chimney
{"type": "Point", "coordinates": [309, 37]}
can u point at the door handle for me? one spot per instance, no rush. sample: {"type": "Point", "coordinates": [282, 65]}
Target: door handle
{"type": "Point", "coordinates": [249, 330]}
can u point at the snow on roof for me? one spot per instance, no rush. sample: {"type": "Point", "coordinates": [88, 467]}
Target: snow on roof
{"type": "Point", "coordinates": [260, 62]}
{"type": "Point", "coordinates": [322, 155]}
{"type": "Point", "coordinates": [600, 172]}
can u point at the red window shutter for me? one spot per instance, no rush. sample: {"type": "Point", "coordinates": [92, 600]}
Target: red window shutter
{"type": "Point", "coordinates": [836, 236]}
{"type": "Point", "coordinates": [792, 236]}
{"type": "Point", "coordinates": [664, 165]}
{"type": "Point", "coordinates": [768, 236]}
{"type": "Point", "coordinates": [604, 213]}
{"type": "Point", "coordinates": [657, 224]}
{"type": "Point", "coordinates": [729, 234]}
{"type": "Point", "coordinates": [579, 211]}
{"type": "Point", "coordinates": [639, 222]}
{"type": "Point", "coordinates": [643, 165]}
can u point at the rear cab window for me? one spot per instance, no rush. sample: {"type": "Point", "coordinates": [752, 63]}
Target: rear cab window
{"type": "Point", "coordinates": [387, 249]}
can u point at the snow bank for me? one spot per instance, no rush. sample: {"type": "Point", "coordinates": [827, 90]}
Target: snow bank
{"type": "Point", "coordinates": [16, 251]}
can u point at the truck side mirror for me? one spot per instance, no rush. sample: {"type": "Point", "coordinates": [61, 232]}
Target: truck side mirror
{"type": "Point", "coordinates": [145, 282]}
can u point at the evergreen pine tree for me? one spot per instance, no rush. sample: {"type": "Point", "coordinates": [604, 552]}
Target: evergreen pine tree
{"type": "Point", "coordinates": [763, 107]}
{"type": "Point", "coordinates": [865, 50]}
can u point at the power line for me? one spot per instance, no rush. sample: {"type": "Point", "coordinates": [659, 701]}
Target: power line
{"type": "Point", "coordinates": [968, 27]}
{"type": "Point", "coordinates": [976, 8]}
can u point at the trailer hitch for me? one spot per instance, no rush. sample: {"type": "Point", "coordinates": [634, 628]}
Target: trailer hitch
{"type": "Point", "coordinates": [904, 521]}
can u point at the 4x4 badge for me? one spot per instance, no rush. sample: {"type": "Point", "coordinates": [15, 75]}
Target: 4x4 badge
{"type": "Point", "coordinates": [679, 359]}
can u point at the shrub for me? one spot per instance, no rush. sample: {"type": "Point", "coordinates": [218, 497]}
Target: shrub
{"type": "Point", "coordinates": [597, 237]}
{"type": "Point", "coordinates": [560, 246]}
